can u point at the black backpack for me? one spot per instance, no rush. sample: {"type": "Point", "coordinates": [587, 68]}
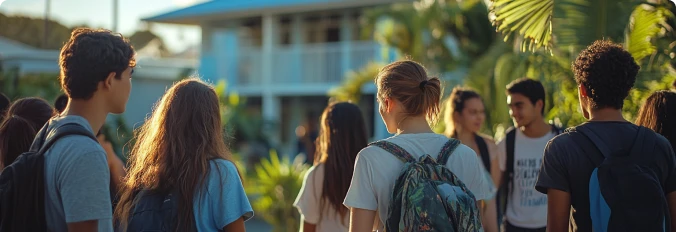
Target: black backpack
{"type": "Point", "coordinates": [154, 211]}
{"type": "Point", "coordinates": [625, 194]}
{"type": "Point", "coordinates": [22, 183]}
{"type": "Point", "coordinates": [505, 188]}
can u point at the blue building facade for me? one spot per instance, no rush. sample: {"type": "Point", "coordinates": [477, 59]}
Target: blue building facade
{"type": "Point", "coordinates": [284, 55]}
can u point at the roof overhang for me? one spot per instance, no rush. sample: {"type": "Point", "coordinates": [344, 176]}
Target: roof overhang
{"type": "Point", "coordinates": [234, 9]}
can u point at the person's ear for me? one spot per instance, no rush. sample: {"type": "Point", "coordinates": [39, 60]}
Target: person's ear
{"type": "Point", "coordinates": [108, 82]}
{"type": "Point", "coordinates": [583, 90]}
{"type": "Point", "coordinates": [388, 104]}
{"type": "Point", "coordinates": [539, 104]}
{"type": "Point", "coordinates": [456, 117]}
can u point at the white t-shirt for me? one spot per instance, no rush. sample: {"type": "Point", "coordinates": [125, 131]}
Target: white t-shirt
{"type": "Point", "coordinates": [309, 206]}
{"type": "Point", "coordinates": [376, 170]}
{"type": "Point", "coordinates": [526, 208]}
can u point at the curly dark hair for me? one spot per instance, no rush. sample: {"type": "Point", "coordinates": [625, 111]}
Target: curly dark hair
{"type": "Point", "coordinates": [89, 57]}
{"type": "Point", "coordinates": [607, 71]}
{"type": "Point", "coordinates": [532, 89]}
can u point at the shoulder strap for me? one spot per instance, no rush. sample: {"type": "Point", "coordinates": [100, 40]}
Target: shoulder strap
{"type": "Point", "coordinates": [39, 138]}
{"type": "Point", "coordinates": [483, 150]}
{"type": "Point", "coordinates": [47, 139]}
{"type": "Point", "coordinates": [596, 140]}
{"type": "Point", "coordinates": [395, 150]}
{"type": "Point", "coordinates": [447, 150]}
{"type": "Point", "coordinates": [644, 143]}
{"type": "Point", "coordinates": [588, 146]}
{"type": "Point", "coordinates": [510, 142]}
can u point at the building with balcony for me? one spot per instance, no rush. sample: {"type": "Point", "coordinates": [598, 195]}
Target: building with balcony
{"type": "Point", "coordinates": [285, 55]}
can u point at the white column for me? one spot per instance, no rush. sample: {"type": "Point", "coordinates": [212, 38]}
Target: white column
{"type": "Point", "coordinates": [297, 41]}
{"type": "Point", "coordinates": [346, 42]}
{"type": "Point", "coordinates": [271, 109]}
{"type": "Point", "coordinates": [269, 40]}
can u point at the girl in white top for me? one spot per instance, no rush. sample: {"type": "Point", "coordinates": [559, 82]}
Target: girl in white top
{"type": "Point", "coordinates": [465, 114]}
{"type": "Point", "coordinates": [320, 201]}
{"type": "Point", "coordinates": [409, 102]}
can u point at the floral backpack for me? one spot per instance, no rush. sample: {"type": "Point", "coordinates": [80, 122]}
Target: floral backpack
{"type": "Point", "coordinates": [427, 196]}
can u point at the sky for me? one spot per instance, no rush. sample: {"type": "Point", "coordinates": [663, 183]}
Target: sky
{"type": "Point", "coordinates": [99, 14]}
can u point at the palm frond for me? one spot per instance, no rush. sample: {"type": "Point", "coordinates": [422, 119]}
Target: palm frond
{"type": "Point", "coordinates": [578, 23]}
{"type": "Point", "coordinates": [566, 23]}
{"type": "Point", "coordinates": [645, 25]}
{"type": "Point", "coordinates": [530, 19]}
{"type": "Point", "coordinates": [274, 189]}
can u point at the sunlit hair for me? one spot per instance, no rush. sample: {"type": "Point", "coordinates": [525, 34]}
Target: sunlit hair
{"type": "Point", "coordinates": [407, 82]}
{"type": "Point", "coordinates": [342, 135]}
{"type": "Point", "coordinates": [456, 103]}
{"type": "Point", "coordinates": [173, 150]}
{"type": "Point", "coordinates": [658, 114]}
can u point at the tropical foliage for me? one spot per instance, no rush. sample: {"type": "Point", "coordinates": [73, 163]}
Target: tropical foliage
{"type": "Point", "coordinates": [239, 122]}
{"type": "Point", "coordinates": [443, 35]}
{"type": "Point", "coordinates": [446, 36]}
{"type": "Point", "coordinates": [44, 85]}
{"type": "Point", "coordinates": [274, 189]}
{"type": "Point", "coordinates": [537, 39]}
{"type": "Point", "coordinates": [558, 30]}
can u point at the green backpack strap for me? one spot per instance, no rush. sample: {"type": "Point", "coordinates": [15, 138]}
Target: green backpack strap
{"type": "Point", "coordinates": [447, 150]}
{"type": "Point", "coordinates": [395, 149]}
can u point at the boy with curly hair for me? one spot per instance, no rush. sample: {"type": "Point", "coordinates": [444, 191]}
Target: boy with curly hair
{"type": "Point", "coordinates": [608, 164]}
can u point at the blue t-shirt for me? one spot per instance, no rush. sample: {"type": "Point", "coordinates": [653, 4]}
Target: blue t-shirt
{"type": "Point", "coordinates": [77, 180]}
{"type": "Point", "coordinates": [216, 207]}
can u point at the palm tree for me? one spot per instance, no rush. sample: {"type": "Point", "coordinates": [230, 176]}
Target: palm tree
{"type": "Point", "coordinates": [555, 31]}
{"type": "Point", "coordinates": [540, 39]}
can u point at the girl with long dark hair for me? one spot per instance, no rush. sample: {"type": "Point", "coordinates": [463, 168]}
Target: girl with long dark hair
{"type": "Point", "coordinates": [24, 118]}
{"type": "Point", "coordinates": [320, 201]}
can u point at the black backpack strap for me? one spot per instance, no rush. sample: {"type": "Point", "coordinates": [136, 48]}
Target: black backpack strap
{"type": "Point", "coordinates": [483, 151]}
{"type": "Point", "coordinates": [644, 143]}
{"type": "Point", "coordinates": [448, 149]}
{"type": "Point", "coordinates": [596, 140]}
{"type": "Point", "coordinates": [587, 145]}
{"type": "Point", "coordinates": [506, 184]}
{"type": "Point", "coordinates": [395, 150]}
{"type": "Point", "coordinates": [47, 139]}
{"type": "Point", "coordinates": [510, 142]}
{"type": "Point", "coordinates": [39, 138]}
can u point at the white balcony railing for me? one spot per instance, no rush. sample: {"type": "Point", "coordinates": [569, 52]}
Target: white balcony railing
{"type": "Point", "coordinates": [309, 64]}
